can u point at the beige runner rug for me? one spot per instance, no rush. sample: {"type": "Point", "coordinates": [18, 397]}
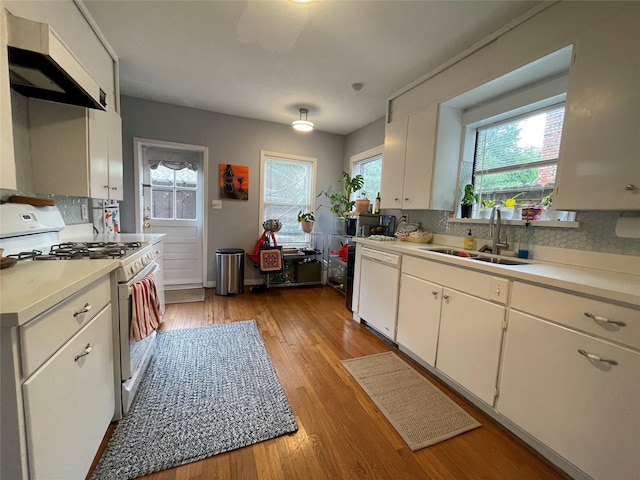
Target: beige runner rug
{"type": "Point", "coordinates": [420, 413]}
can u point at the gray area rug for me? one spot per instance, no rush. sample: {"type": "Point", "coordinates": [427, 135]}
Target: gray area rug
{"type": "Point", "coordinates": [419, 411]}
{"type": "Point", "coordinates": [207, 390]}
{"type": "Point", "coordinates": [187, 295]}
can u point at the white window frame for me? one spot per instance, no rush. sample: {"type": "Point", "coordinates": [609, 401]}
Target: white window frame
{"type": "Point", "coordinates": [312, 193]}
{"type": "Point", "coordinates": [364, 157]}
{"type": "Point", "coordinates": [540, 96]}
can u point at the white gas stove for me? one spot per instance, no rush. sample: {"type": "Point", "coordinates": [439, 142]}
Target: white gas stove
{"type": "Point", "coordinates": [29, 233]}
{"type": "Point", "coordinates": [33, 233]}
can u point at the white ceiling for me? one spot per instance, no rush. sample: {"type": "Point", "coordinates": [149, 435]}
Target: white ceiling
{"type": "Point", "coordinates": [267, 59]}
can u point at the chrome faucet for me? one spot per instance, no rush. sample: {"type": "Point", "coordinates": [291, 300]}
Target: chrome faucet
{"type": "Point", "coordinates": [496, 243]}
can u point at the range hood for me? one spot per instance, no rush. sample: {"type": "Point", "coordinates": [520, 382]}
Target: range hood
{"type": "Point", "coordinates": [42, 66]}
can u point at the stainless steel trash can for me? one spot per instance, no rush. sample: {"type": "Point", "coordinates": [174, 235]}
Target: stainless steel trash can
{"type": "Point", "coordinates": [229, 271]}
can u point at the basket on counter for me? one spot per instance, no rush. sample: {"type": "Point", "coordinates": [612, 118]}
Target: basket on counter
{"type": "Point", "coordinates": [416, 237]}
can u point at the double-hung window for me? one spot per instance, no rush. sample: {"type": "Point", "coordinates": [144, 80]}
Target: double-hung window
{"type": "Point", "coordinates": [518, 156]}
{"type": "Point", "coordinates": [287, 187]}
{"type": "Point", "coordinates": [512, 142]}
{"type": "Point", "coordinates": [369, 165]}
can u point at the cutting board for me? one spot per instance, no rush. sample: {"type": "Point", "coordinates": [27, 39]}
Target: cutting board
{"type": "Point", "coordinates": [36, 202]}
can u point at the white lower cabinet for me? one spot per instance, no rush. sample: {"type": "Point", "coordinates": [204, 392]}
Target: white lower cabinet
{"type": "Point", "coordinates": [452, 318]}
{"type": "Point", "coordinates": [469, 342]}
{"type": "Point", "coordinates": [69, 403]}
{"type": "Point", "coordinates": [587, 410]}
{"type": "Point", "coordinates": [419, 317]}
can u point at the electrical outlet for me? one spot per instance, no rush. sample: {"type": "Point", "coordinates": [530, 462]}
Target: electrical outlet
{"type": "Point", "coordinates": [216, 204]}
{"type": "Point", "coordinates": [84, 212]}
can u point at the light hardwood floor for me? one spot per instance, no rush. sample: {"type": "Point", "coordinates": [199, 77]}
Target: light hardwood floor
{"type": "Point", "coordinates": [342, 434]}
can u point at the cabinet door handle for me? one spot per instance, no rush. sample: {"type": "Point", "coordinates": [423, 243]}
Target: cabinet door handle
{"type": "Point", "coordinates": [435, 294]}
{"type": "Point", "coordinates": [114, 188]}
{"type": "Point", "coordinates": [84, 309]}
{"type": "Point", "coordinates": [596, 358]}
{"type": "Point", "coordinates": [85, 352]}
{"type": "Point", "coordinates": [446, 297]}
{"type": "Point", "coordinates": [601, 319]}
{"type": "Point", "coordinates": [630, 188]}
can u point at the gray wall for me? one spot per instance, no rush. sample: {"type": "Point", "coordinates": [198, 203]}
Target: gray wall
{"type": "Point", "coordinates": [233, 140]}
{"type": "Point", "coordinates": [363, 139]}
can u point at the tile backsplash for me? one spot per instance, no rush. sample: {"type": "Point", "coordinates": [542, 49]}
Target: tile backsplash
{"type": "Point", "coordinates": [595, 234]}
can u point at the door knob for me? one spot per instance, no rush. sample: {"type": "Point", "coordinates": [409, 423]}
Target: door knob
{"type": "Point", "coordinates": [147, 217]}
{"type": "Point", "coordinates": [147, 225]}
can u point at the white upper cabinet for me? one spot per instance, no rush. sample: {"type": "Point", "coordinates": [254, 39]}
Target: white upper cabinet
{"type": "Point", "coordinates": [75, 151]}
{"type": "Point", "coordinates": [599, 165]}
{"type": "Point", "coordinates": [410, 166]}
{"type": "Point", "coordinates": [395, 149]}
{"type": "Point", "coordinates": [7, 161]}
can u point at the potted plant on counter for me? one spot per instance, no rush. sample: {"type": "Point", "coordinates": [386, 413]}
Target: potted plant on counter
{"type": "Point", "coordinates": [306, 220]}
{"type": "Point", "coordinates": [362, 203]}
{"type": "Point", "coordinates": [485, 210]}
{"type": "Point", "coordinates": [341, 202]}
{"type": "Point", "coordinates": [551, 213]}
{"type": "Point", "coordinates": [508, 207]}
{"type": "Point", "coordinates": [467, 201]}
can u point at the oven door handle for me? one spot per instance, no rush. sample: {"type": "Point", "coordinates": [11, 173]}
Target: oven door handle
{"type": "Point", "coordinates": [125, 289]}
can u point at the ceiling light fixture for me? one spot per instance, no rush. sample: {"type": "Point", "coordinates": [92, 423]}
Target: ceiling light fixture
{"type": "Point", "coordinates": [303, 1]}
{"type": "Point", "coordinates": [302, 125]}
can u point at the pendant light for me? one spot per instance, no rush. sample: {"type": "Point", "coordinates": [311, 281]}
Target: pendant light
{"type": "Point", "coordinates": [302, 125]}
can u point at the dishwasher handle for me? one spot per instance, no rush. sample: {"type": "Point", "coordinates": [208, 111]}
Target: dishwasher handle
{"type": "Point", "coordinates": [381, 257]}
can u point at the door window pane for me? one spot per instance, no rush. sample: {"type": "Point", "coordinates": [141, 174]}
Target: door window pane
{"type": "Point", "coordinates": [162, 203]}
{"type": "Point", "coordinates": [186, 204]}
{"type": "Point", "coordinates": [186, 178]}
{"type": "Point", "coordinates": [162, 176]}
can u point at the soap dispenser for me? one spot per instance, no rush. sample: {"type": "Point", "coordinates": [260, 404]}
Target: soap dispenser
{"type": "Point", "coordinates": [469, 241]}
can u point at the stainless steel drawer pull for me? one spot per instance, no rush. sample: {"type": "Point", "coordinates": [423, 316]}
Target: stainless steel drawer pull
{"type": "Point", "coordinates": [87, 351]}
{"type": "Point", "coordinates": [84, 309]}
{"type": "Point", "coordinates": [596, 358]}
{"type": "Point", "coordinates": [599, 318]}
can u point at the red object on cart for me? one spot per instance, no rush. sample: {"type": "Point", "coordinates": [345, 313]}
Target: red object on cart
{"type": "Point", "coordinates": [342, 253]}
{"type": "Point", "coordinates": [263, 240]}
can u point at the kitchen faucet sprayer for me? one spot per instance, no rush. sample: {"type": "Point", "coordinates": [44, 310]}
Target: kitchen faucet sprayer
{"type": "Point", "coordinates": [496, 243]}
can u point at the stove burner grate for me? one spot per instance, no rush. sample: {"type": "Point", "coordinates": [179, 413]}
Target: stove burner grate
{"type": "Point", "coordinates": [78, 250]}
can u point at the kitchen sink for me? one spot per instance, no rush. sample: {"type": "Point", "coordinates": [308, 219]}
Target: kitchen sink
{"type": "Point", "coordinates": [446, 251]}
{"type": "Point", "coordinates": [457, 253]}
{"type": "Point", "coordinates": [500, 261]}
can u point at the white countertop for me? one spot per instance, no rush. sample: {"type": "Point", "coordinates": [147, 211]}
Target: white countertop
{"type": "Point", "coordinates": [30, 287]}
{"type": "Point", "coordinates": [617, 287]}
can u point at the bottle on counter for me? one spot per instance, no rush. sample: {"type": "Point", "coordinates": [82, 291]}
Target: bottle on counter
{"type": "Point", "coordinates": [524, 246]}
{"type": "Point", "coordinates": [376, 208]}
{"type": "Point", "coordinates": [469, 241]}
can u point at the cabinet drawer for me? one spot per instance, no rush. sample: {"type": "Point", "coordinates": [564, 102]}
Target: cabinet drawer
{"type": "Point", "coordinates": [588, 411]}
{"type": "Point", "coordinates": [69, 403]}
{"type": "Point", "coordinates": [571, 310]}
{"type": "Point", "coordinates": [474, 283]}
{"type": "Point", "coordinates": [46, 333]}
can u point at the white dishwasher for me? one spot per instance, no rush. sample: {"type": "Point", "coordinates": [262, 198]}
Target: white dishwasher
{"type": "Point", "coordinates": [379, 287]}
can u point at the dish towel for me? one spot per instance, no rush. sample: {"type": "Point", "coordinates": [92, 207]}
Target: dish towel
{"type": "Point", "coordinates": [145, 308]}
